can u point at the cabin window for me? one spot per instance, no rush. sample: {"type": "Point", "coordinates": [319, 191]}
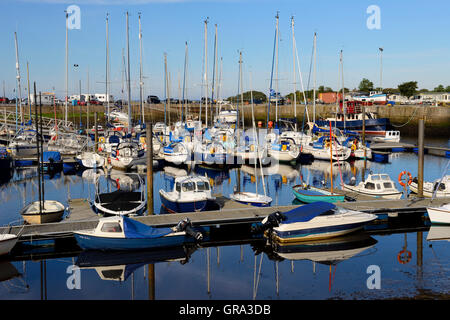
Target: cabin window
{"type": "Point", "coordinates": [384, 177]}
{"type": "Point", "coordinates": [375, 178]}
{"type": "Point", "coordinates": [378, 186]}
{"type": "Point", "coordinates": [188, 186]}
{"type": "Point", "coordinates": [178, 186]}
{"type": "Point", "coordinates": [202, 186]}
{"type": "Point", "coordinates": [111, 227]}
{"type": "Point", "coordinates": [387, 185]}
{"type": "Point", "coordinates": [370, 186]}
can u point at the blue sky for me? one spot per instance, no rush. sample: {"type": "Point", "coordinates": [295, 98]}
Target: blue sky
{"type": "Point", "coordinates": [414, 35]}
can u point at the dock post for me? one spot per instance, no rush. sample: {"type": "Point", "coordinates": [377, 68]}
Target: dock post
{"type": "Point", "coordinates": [149, 138]}
{"type": "Point", "coordinates": [421, 157]}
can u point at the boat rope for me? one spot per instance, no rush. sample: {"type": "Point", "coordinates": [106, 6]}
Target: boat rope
{"type": "Point", "coordinates": [410, 118]}
{"type": "Point", "coordinates": [339, 163]}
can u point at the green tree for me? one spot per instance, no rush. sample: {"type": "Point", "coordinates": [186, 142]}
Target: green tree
{"type": "Point", "coordinates": [365, 85]}
{"type": "Point", "coordinates": [439, 88]}
{"type": "Point", "coordinates": [408, 89]}
{"type": "Point", "coordinates": [447, 89]}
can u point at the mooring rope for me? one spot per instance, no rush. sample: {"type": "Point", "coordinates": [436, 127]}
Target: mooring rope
{"type": "Point", "coordinates": [410, 118]}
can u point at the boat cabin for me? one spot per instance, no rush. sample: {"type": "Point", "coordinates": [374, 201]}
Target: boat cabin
{"type": "Point", "coordinates": [379, 182]}
{"type": "Point", "coordinates": [192, 184]}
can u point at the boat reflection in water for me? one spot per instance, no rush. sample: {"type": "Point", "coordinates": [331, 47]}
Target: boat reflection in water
{"type": "Point", "coordinates": [439, 232]}
{"type": "Point", "coordinates": [119, 265]}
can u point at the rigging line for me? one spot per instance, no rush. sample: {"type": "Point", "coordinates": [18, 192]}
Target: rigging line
{"type": "Point", "coordinates": [410, 118]}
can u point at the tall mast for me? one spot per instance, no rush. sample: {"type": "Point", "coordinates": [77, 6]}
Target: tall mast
{"type": "Point", "coordinates": [29, 94]}
{"type": "Point", "coordinates": [276, 71]}
{"type": "Point", "coordinates": [314, 90]}
{"type": "Point", "coordinates": [241, 89]}
{"type": "Point", "coordinates": [18, 77]}
{"type": "Point", "coordinates": [107, 65]}
{"type": "Point", "coordinates": [214, 69]}
{"type": "Point", "coordinates": [67, 69]}
{"type": "Point", "coordinates": [141, 82]}
{"type": "Point", "coordinates": [271, 73]}
{"type": "Point", "coordinates": [206, 73]}
{"type": "Point", "coordinates": [184, 82]}
{"type": "Point", "coordinates": [129, 82]}
{"type": "Point", "coordinates": [295, 77]}
{"type": "Point", "coordinates": [343, 92]}
{"type": "Point", "coordinates": [165, 91]}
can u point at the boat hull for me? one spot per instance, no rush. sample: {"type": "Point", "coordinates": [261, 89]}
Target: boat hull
{"type": "Point", "coordinates": [308, 197]}
{"type": "Point", "coordinates": [91, 242]}
{"type": "Point", "coordinates": [7, 243]}
{"type": "Point", "coordinates": [439, 215]}
{"type": "Point", "coordinates": [392, 196]}
{"type": "Point", "coordinates": [316, 233]}
{"type": "Point", "coordinates": [183, 206]}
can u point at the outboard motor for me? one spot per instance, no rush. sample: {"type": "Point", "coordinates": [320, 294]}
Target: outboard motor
{"type": "Point", "coordinates": [186, 225]}
{"type": "Point", "coordinates": [273, 220]}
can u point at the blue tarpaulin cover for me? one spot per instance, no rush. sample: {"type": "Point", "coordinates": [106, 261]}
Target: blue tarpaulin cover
{"type": "Point", "coordinates": [137, 230]}
{"type": "Point", "coordinates": [55, 155]}
{"type": "Point", "coordinates": [307, 212]}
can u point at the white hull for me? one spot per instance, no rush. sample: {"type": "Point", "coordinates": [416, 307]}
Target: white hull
{"type": "Point", "coordinates": [384, 195]}
{"type": "Point", "coordinates": [91, 160]}
{"type": "Point", "coordinates": [23, 150]}
{"type": "Point", "coordinates": [428, 190]}
{"type": "Point", "coordinates": [7, 242]}
{"type": "Point", "coordinates": [440, 214]}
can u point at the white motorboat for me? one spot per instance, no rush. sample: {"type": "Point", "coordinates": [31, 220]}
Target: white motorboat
{"type": "Point", "coordinates": [67, 144]}
{"type": "Point", "coordinates": [7, 243]}
{"type": "Point", "coordinates": [189, 194]}
{"type": "Point", "coordinates": [390, 136]}
{"type": "Point", "coordinates": [45, 211]}
{"type": "Point", "coordinates": [318, 220]}
{"type": "Point", "coordinates": [376, 185]}
{"type": "Point", "coordinates": [90, 160]}
{"type": "Point", "coordinates": [126, 155]}
{"type": "Point", "coordinates": [439, 186]}
{"type": "Point", "coordinates": [439, 214]}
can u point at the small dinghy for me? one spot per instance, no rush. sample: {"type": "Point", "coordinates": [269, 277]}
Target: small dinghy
{"type": "Point", "coordinates": [439, 215]}
{"type": "Point", "coordinates": [44, 211]}
{"type": "Point", "coordinates": [122, 233]}
{"type": "Point", "coordinates": [254, 199]}
{"type": "Point", "coordinates": [376, 185]}
{"type": "Point", "coordinates": [7, 243]}
{"type": "Point", "coordinates": [310, 194]}
{"type": "Point", "coordinates": [127, 199]}
{"type": "Point", "coordinates": [319, 220]}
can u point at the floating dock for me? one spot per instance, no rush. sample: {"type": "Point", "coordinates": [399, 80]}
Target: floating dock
{"type": "Point", "coordinates": [82, 217]}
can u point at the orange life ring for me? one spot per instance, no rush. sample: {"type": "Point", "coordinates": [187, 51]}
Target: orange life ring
{"type": "Point", "coordinates": [400, 178]}
{"type": "Point", "coordinates": [401, 255]}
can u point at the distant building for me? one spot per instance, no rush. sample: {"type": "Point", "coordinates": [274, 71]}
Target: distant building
{"type": "Point", "coordinates": [329, 97]}
{"type": "Point", "coordinates": [46, 98]}
{"type": "Point", "coordinates": [102, 97]}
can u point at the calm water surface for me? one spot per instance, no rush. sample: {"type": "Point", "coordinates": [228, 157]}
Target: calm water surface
{"type": "Point", "coordinates": [244, 268]}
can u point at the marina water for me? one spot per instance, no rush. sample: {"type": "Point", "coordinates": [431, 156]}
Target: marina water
{"type": "Point", "coordinates": [407, 264]}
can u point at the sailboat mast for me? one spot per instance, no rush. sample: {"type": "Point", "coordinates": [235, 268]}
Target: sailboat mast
{"type": "Point", "coordinates": [183, 114]}
{"type": "Point", "coordinates": [276, 71]}
{"type": "Point", "coordinates": [343, 92]}
{"type": "Point", "coordinates": [206, 73]}
{"type": "Point", "coordinates": [271, 73]}
{"type": "Point", "coordinates": [107, 66]}
{"type": "Point", "coordinates": [295, 77]}
{"type": "Point", "coordinates": [18, 77]}
{"type": "Point", "coordinates": [29, 93]}
{"type": "Point", "coordinates": [213, 87]}
{"type": "Point", "coordinates": [241, 89]}
{"type": "Point", "coordinates": [315, 80]}
{"type": "Point", "coordinates": [67, 70]}
{"type": "Point", "coordinates": [129, 81]}
{"type": "Point", "coordinates": [141, 81]}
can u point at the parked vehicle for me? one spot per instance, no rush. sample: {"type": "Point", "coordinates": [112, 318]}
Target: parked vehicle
{"type": "Point", "coordinates": [153, 99]}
